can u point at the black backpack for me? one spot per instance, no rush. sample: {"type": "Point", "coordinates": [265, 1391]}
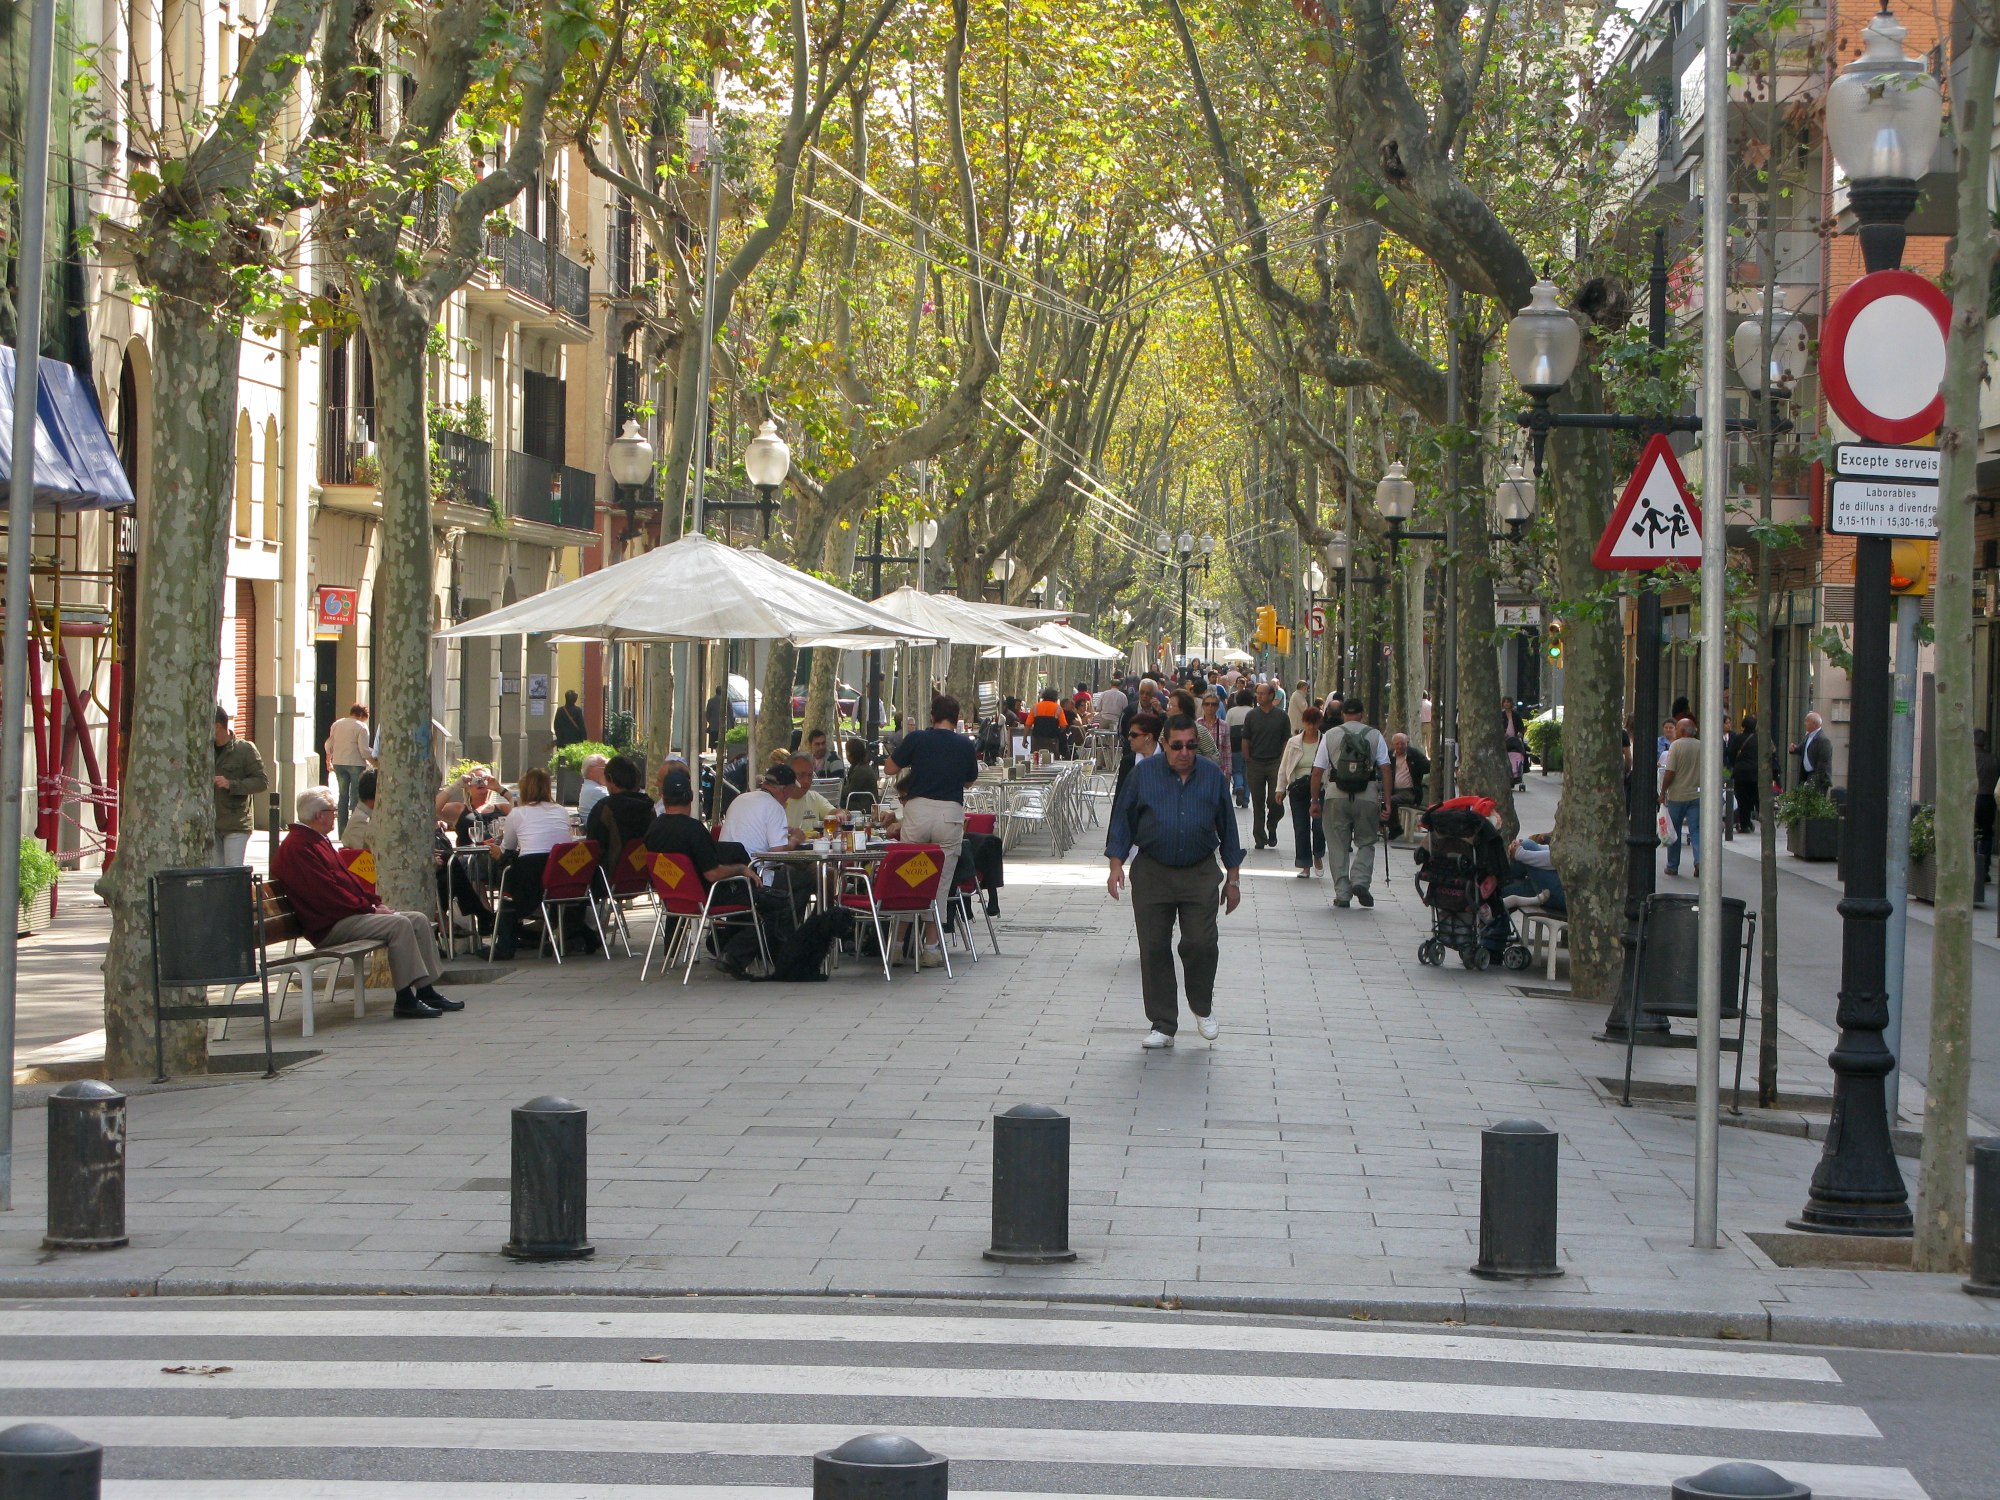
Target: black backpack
{"type": "Point", "coordinates": [1354, 760]}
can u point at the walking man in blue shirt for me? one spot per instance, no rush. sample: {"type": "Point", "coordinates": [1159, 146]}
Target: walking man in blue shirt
{"type": "Point", "coordinates": [1175, 810]}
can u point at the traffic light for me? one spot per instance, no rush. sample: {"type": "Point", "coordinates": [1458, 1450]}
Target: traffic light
{"type": "Point", "coordinates": [1267, 626]}
{"type": "Point", "coordinates": [1910, 567]}
{"type": "Point", "coordinates": [1553, 643]}
{"type": "Point", "coordinates": [1284, 640]}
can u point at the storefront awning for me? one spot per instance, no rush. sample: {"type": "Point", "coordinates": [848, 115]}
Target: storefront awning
{"type": "Point", "coordinates": [76, 468]}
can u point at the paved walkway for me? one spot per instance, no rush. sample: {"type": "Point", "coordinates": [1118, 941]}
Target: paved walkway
{"type": "Point", "coordinates": [1321, 1156]}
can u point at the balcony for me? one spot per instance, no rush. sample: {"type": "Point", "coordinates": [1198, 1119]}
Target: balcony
{"type": "Point", "coordinates": [340, 462]}
{"type": "Point", "coordinates": [536, 285]}
{"type": "Point", "coordinates": [462, 470]}
{"type": "Point", "coordinates": [551, 494]}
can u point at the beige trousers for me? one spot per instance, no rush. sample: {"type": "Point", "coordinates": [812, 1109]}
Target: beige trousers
{"type": "Point", "coordinates": [413, 953]}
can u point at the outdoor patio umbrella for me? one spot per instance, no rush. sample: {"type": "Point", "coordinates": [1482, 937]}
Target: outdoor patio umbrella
{"type": "Point", "coordinates": [1235, 655]}
{"type": "Point", "coordinates": [696, 589]}
{"type": "Point", "coordinates": [1058, 640]}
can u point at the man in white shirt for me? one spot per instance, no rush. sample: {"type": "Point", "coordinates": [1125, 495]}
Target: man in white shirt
{"type": "Point", "coordinates": [756, 820]}
{"type": "Point", "coordinates": [1108, 707]}
{"type": "Point", "coordinates": [594, 788]}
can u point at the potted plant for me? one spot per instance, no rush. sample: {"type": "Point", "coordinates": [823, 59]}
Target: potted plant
{"type": "Point", "coordinates": [1811, 819]}
{"type": "Point", "coordinates": [39, 871]}
{"type": "Point", "coordinates": [566, 765]}
{"type": "Point", "coordinates": [1545, 744]}
{"type": "Point", "coordinates": [1923, 844]}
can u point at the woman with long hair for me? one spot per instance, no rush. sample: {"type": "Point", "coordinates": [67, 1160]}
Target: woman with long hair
{"type": "Point", "coordinates": [1295, 776]}
{"type": "Point", "coordinates": [536, 825]}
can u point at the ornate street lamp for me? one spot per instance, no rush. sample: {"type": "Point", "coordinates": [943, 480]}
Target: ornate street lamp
{"type": "Point", "coordinates": [1770, 372]}
{"type": "Point", "coordinates": [630, 459]}
{"type": "Point", "coordinates": [1882, 120]}
{"type": "Point", "coordinates": [1514, 498]}
{"type": "Point", "coordinates": [923, 535]}
{"type": "Point", "coordinates": [1179, 552]}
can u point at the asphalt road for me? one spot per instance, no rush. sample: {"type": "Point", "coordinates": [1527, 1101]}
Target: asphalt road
{"type": "Point", "coordinates": [602, 1399]}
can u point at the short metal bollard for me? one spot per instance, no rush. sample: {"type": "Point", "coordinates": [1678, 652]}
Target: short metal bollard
{"type": "Point", "coordinates": [1517, 1202]}
{"type": "Point", "coordinates": [41, 1462]}
{"type": "Point", "coordinates": [1985, 1281]}
{"type": "Point", "coordinates": [1739, 1481]}
{"type": "Point", "coordinates": [1030, 1187]}
{"type": "Point", "coordinates": [880, 1466]}
{"type": "Point", "coordinates": [86, 1167]}
{"type": "Point", "coordinates": [549, 1186]}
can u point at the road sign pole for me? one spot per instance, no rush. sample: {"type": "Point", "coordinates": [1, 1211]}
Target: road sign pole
{"type": "Point", "coordinates": [1902, 753]}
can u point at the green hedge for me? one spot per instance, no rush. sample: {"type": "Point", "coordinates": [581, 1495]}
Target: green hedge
{"type": "Point", "coordinates": [1546, 741]}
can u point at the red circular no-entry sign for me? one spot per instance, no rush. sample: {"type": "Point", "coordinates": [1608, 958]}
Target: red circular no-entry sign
{"type": "Point", "coordinates": [1881, 356]}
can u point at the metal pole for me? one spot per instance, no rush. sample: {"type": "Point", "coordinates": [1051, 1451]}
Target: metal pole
{"type": "Point", "coordinates": [708, 296]}
{"type": "Point", "coordinates": [1642, 837]}
{"type": "Point", "coordinates": [1447, 700]}
{"type": "Point", "coordinates": [874, 726]}
{"type": "Point", "coordinates": [1184, 587]}
{"type": "Point", "coordinates": [1902, 752]}
{"type": "Point", "coordinates": [28, 266]}
{"type": "Point", "coordinates": [1714, 615]}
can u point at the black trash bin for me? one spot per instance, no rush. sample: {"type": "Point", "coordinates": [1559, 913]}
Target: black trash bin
{"type": "Point", "coordinates": [1669, 971]}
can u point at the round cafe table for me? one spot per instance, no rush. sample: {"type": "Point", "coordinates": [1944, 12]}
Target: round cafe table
{"type": "Point", "coordinates": [825, 866]}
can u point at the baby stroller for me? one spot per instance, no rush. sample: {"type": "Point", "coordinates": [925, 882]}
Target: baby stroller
{"type": "Point", "coordinates": [1459, 878]}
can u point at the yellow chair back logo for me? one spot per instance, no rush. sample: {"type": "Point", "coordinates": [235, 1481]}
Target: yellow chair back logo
{"type": "Point", "coordinates": [914, 872]}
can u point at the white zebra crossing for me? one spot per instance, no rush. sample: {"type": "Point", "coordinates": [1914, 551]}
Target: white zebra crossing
{"type": "Point", "coordinates": [216, 1367]}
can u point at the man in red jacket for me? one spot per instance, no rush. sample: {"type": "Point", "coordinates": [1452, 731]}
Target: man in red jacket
{"type": "Point", "coordinates": [334, 906]}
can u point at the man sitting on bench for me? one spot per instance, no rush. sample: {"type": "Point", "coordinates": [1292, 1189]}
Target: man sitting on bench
{"type": "Point", "coordinates": [333, 906]}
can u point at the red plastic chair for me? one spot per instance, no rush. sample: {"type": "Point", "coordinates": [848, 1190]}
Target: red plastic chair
{"type": "Point", "coordinates": [569, 878]}
{"type": "Point", "coordinates": [683, 900]}
{"type": "Point", "coordinates": [361, 865]}
{"type": "Point", "coordinates": [629, 878]}
{"type": "Point", "coordinates": [906, 884]}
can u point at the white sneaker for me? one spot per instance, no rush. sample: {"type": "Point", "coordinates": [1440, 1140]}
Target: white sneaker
{"type": "Point", "coordinates": [1157, 1041]}
{"type": "Point", "coordinates": [933, 958]}
{"type": "Point", "coordinates": [1209, 1029]}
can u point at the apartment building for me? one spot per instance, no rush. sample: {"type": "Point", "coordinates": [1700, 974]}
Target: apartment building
{"type": "Point", "coordinates": [536, 363]}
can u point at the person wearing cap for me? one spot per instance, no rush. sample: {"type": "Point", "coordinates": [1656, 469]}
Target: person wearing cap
{"type": "Point", "coordinates": [756, 820]}
{"type": "Point", "coordinates": [624, 813]}
{"type": "Point", "coordinates": [239, 776]}
{"type": "Point", "coordinates": [677, 831]}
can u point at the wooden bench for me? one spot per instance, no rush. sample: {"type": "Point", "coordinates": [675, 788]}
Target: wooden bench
{"type": "Point", "coordinates": [1544, 934]}
{"type": "Point", "coordinates": [288, 955]}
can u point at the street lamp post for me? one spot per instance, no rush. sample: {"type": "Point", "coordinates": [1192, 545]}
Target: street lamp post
{"type": "Point", "coordinates": [1396, 498]}
{"type": "Point", "coordinates": [1180, 552]}
{"type": "Point", "coordinates": [875, 557]}
{"type": "Point", "coordinates": [1882, 116]}
{"type": "Point", "coordinates": [1339, 554]}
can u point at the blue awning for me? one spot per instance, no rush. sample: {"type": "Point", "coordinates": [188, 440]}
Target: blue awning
{"type": "Point", "coordinates": [76, 467]}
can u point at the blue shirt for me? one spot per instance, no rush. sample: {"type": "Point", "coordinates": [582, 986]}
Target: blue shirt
{"type": "Point", "coordinates": [941, 763]}
{"type": "Point", "coordinates": [1173, 821]}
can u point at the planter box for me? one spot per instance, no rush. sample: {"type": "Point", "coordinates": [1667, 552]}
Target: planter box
{"type": "Point", "coordinates": [39, 914]}
{"type": "Point", "coordinates": [569, 785]}
{"type": "Point", "coordinates": [1923, 881]}
{"type": "Point", "coordinates": [1814, 839]}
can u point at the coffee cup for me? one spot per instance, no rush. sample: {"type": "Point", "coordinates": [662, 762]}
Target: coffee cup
{"type": "Point", "coordinates": [822, 846]}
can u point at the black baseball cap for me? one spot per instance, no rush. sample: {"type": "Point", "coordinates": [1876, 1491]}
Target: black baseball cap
{"type": "Point", "coordinates": [676, 787]}
{"type": "Point", "coordinates": [781, 776]}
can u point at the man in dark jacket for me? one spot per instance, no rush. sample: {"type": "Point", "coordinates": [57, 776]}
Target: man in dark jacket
{"type": "Point", "coordinates": [1408, 766]}
{"type": "Point", "coordinates": [334, 906]}
{"type": "Point", "coordinates": [623, 814]}
{"type": "Point", "coordinates": [239, 776]}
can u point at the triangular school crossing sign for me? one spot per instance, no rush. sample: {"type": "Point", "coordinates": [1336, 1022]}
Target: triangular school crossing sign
{"type": "Point", "coordinates": [1656, 523]}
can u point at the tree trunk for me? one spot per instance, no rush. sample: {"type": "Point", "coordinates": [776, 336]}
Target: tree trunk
{"type": "Point", "coordinates": [1483, 770]}
{"type": "Point", "coordinates": [1590, 821]}
{"type": "Point", "coordinates": [177, 658]}
{"type": "Point", "coordinates": [1940, 1220]}
{"type": "Point", "coordinates": [775, 723]}
{"type": "Point", "coordinates": [404, 589]}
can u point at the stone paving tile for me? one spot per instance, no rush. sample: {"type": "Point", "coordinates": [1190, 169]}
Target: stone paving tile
{"type": "Point", "coordinates": [838, 1136]}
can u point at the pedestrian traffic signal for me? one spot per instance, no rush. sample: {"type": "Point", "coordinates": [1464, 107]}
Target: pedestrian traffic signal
{"type": "Point", "coordinates": [1909, 566]}
{"type": "Point", "coordinates": [1267, 626]}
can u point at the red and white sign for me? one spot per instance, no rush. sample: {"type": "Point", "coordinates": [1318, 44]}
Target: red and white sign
{"type": "Point", "coordinates": [1316, 619]}
{"type": "Point", "coordinates": [1656, 523]}
{"type": "Point", "coordinates": [1881, 356]}
{"type": "Point", "coordinates": [336, 607]}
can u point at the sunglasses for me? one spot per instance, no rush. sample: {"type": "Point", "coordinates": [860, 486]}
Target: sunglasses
{"type": "Point", "coordinates": [1182, 746]}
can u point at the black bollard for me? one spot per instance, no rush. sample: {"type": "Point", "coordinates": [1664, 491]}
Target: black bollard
{"type": "Point", "coordinates": [1985, 1280]}
{"type": "Point", "coordinates": [550, 1190]}
{"type": "Point", "coordinates": [1517, 1202]}
{"type": "Point", "coordinates": [1030, 1186]}
{"type": "Point", "coordinates": [1739, 1481]}
{"type": "Point", "coordinates": [86, 1167]}
{"type": "Point", "coordinates": [880, 1466]}
{"type": "Point", "coordinates": [40, 1462]}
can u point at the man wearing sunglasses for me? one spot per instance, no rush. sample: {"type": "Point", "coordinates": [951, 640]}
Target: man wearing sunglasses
{"type": "Point", "coordinates": [1174, 811]}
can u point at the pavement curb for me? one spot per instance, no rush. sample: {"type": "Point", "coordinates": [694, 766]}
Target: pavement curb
{"type": "Point", "coordinates": [1759, 1323]}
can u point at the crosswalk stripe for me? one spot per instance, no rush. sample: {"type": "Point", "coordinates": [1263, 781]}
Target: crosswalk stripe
{"type": "Point", "coordinates": [1533, 1402]}
{"type": "Point", "coordinates": [411, 1323]}
{"type": "Point", "coordinates": [377, 1489]}
{"type": "Point", "coordinates": [966, 1445]}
